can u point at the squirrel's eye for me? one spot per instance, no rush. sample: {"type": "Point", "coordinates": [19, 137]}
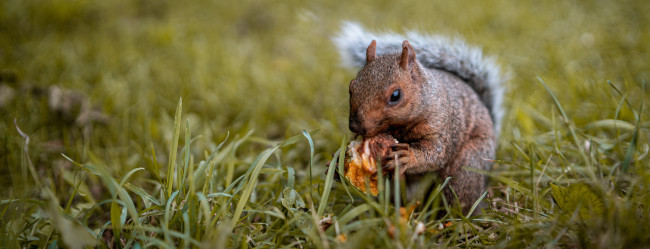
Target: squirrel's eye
{"type": "Point", "coordinates": [395, 96]}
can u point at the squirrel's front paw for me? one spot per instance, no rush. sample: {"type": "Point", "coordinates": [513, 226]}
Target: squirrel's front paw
{"type": "Point", "coordinates": [399, 154]}
{"type": "Point", "coordinates": [327, 169]}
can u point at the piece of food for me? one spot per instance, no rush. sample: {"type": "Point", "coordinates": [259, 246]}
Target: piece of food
{"type": "Point", "coordinates": [361, 162]}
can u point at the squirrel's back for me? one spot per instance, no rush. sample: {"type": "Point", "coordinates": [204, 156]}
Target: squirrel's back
{"type": "Point", "coordinates": [481, 73]}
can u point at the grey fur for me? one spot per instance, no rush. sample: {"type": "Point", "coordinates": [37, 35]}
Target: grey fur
{"type": "Point", "coordinates": [435, 52]}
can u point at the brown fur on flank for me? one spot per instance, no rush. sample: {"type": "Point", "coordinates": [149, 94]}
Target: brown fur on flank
{"type": "Point", "coordinates": [441, 123]}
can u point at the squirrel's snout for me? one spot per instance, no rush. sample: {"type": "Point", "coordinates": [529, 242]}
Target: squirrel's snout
{"type": "Point", "coordinates": [355, 126]}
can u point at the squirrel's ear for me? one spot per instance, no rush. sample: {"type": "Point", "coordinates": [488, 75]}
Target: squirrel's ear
{"type": "Point", "coordinates": [408, 55]}
{"type": "Point", "coordinates": [371, 52]}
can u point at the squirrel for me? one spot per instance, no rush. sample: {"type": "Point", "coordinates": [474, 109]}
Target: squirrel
{"type": "Point", "coordinates": [438, 97]}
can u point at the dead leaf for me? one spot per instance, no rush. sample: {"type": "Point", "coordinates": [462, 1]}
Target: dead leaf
{"type": "Point", "coordinates": [73, 234]}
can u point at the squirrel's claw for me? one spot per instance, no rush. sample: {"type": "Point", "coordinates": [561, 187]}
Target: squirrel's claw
{"type": "Point", "coordinates": [399, 146]}
{"type": "Point", "coordinates": [400, 155]}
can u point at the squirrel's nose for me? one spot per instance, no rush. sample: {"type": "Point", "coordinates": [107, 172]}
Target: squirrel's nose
{"type": "Point", "coordinates": [355, 126]}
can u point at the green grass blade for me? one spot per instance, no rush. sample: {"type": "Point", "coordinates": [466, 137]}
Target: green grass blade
{"type": "Point", "coordinates": [353, 213]}
{"type": "Point", "coordinates": [205, 208]}
{"type": "Point", "coordinates": [167, 217]}
{"type": "Point", "coordinates": [219, 195]}
{"type": "Point", "coordinates": [186, 165]}
{"type": "Point", "coordinates": [209, 179]}
{"type": "Point", "coordinates": [431, 198]}
{"type": "Point", "coordinates": [476, 203]}
{"type": "Point", "coordinates": [126, 177]}
{"type": "Point", "coordinates": [252, 182]}
{"type": "Point", "coordinates": [329, 180]}
{"type": "Point", "coordinates": [128, 204]}
{"type": "Point", "coordinates": [230, 170]}
{"type": "Point", "coordinates": [611, 124]}
{"type": "Point", "coordinates": [311, 159]}
{"type": "Point", "coordinates": [341, 166]}
{"type": "Point", "coordinates": [186, 233]}
{"type": "Point", "coordinates": [74, 193]}
{"type": "Point", "coordinates": [115, 219]}
{"type": "Point", "coordinates": [397, 194]}
{"type": "Point", "coordinates": [142, 193]}
{"type": "Point", "coordinates": [572, 131]}
{"type": "Point", "coordinates": [174, 147]}
{"type": "Point", "coordinates": [624, 98]}
{"type": "Point", "coordinates": [631, 150]}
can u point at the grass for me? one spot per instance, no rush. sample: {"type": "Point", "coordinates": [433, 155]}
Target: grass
{"type": "Point", "coordinates": [209, 123]}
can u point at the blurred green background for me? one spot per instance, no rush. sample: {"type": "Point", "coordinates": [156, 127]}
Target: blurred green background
{"type": "Point", "coordinates": [100, 80]}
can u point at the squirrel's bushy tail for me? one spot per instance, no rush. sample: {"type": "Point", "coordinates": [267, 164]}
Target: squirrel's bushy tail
{"type": "Point", "coordinates": [437, 52]}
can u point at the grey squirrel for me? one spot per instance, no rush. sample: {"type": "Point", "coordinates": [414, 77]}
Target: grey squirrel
{"type": "Point", "coordinates": [439, 98]}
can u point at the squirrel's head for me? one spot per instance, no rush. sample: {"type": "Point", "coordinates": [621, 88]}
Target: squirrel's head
{"type": "Point", "coordinates": [387, 92]}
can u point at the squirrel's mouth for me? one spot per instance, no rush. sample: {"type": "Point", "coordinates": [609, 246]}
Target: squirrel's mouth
{"type": "Point", "coordinates": [370, 131]}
